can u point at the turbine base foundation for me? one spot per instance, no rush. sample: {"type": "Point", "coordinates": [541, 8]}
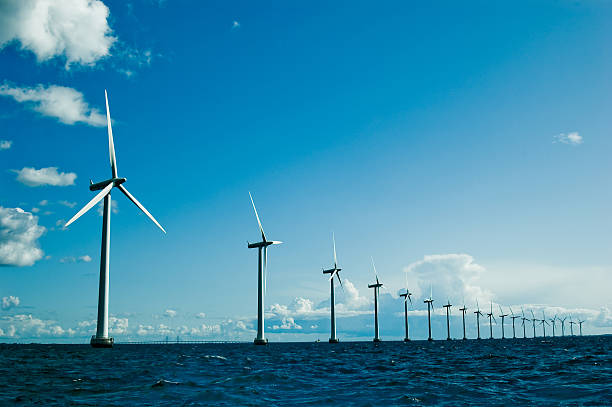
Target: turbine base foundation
{"type": "Point", "coordinates": [334, 340]}
{"type": "Point", "coordinates": [260, 341]}
{"type": "Point", "coordinates": [406, 339]}
{"type": "Point", "coordinates": [376, 340]}
{"type": "Point", "coordinates": [102, 342]}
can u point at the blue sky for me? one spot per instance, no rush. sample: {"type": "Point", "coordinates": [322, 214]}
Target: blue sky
{"type": "Point", "coordinates": [463, 146]}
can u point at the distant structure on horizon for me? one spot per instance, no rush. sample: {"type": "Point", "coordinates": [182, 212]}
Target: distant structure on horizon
{"type": "Point", "coordinates": [335, 271]}
{"type": "Point", "coordinates": [375, 286]}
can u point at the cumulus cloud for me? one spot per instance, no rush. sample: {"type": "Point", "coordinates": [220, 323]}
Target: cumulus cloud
{"type": "Point", "coordinates": [10, 302]}
{"type": "Point", "coordinates": [572, 138]}
{"type": "Point", "coordinates": [45, 176]}
{"type": "Point", "coordinates": [170, 313]}
{"type": "Point", "coordinates": [72, 259]}
{"type": "Point", "coordinates": [201, 315]}
{"type": "Point", "coordinates": [26, 325]}
{"type": "Point", "coordinates": [76, 30]}
{"type": "Point", "coordinates": [19, 234]}
{"type": "Point", "coordinates": [67, 203]}
{"type": "Point", "coordinates": [5, 144]}
{"type": "Point", "coordinates": [118, 326]}
{"type": "Point", "coordinates": [286, 324]}
{"type": "Point", "coordinates": [67, 105]}
{"type": "Point", "coordinates": [450, 276]}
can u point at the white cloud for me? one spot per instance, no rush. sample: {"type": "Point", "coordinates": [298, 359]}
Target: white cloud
{"type": "Point", "coordinates": [19, 233]}
{"type": "Point", "coordinates": [170, 313]}
{"type": "Point", "coordinates": [286, 324]}
{"type": "Point", "coordinates": [85, 259]}
{"type": "Point", "coordinates": [35, 210]}
{"type": "Point", "coordinates": [572, 138]}
{"type": "Point", "coordinates": [68, 204]}
{"type": "Point", "coordinates": [235, 25]}
{"type": "Point", "coordinates": [117, 326]}
{"type": "Point", "coordinates": [451, 276]}
{"type": "Point", "coordinates": [75, 29]}
{"type": "Point", "coordinates": [10, 302]}
{"type": "Point", "coordinates": [65, 104]}
{"type": "Point", "coordinates": [71, 259]}
{"type": "Point", "coordinates": [45, 176]}
{"type": "Point", "coordinates": [44, 202]}
{"type": "Point", "coordinates": [201, 315]}
{"type": "Point", "coordinates": [5, 144]}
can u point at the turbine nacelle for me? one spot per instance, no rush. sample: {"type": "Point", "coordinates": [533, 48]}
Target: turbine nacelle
{"type": "Point", "coordinates": [101, 185]}
{"type": "Point", "coordinates": [263, 244]}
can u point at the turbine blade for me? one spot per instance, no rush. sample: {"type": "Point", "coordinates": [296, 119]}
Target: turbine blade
{"type": "Point", "coordinates": [263, 235]}
{"type": "Point", "coordinates": [265, 269]}
{"type": "Point", "coordinates": [139, 205]}
{"type": "Point", "coordinates": [111, 143]}
{"type": "Point", "coordinates": [335, 258]}
{"type": "Point", "coordinates": [91, 203]}
{"type": "Point", "coordinates": [332, 275]}
{"type": "Point", "coordinates": [340, 281]}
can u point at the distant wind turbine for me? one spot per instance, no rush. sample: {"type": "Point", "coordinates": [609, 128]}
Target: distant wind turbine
{"type": "Point", "coordinates": [502, 316]}
{"type": "Point", "coordinates": [429, 302]}
{"type": "Point", "coordinates": [580, 324]}
{"type": "Point", "coordinates": [553, 321]}
{"type": "Point", "coordinates": [463, 309]}
{"type": "Point", "coordinates": [533, 320]}
{"type": "Point", "coordinates": [262, 265]}
{"type": "Point", "coordinates": [571, 326]}
{"type": "Point", "coordinates": [101, 338]}
{"type": "Point", "coordinates": [523, 321]}
{"type": "Point", "coordinates": [562, 325]}
{"type": "Point", "coordinates": [544, 323]}
{"type": "Point", "coordinates": [335, 272]}
{"type": "Point", "coordinates": [376, 286]}
{"type": "Point", "coordinates": [513, 318]}
{"type": "Point", "coordinates": [407, 298]}
{"type": "Point", "coordinates": [490, 315]}
{"type": "Point", "coordinates": [478, 315]}
{"type": "Point", "coordinates": [448, 307]}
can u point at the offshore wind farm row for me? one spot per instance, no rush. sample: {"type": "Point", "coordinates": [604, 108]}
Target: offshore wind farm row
{"type": "Point", "coordinates": [102, 339]}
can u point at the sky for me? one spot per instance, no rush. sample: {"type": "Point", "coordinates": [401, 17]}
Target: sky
{"type": "Point", "coordinates": [462, 147]}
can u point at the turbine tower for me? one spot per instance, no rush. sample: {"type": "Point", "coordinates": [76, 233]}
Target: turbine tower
{"type": "Point", "coordinates": [101, 338]}
{"type": "Point", "coordinates": [490, 315]}
{"type": "Point", "coordinates": [502, 316]}
{"type": "Point", "coordinates": [571, 326]}
{"type": "Point", "coordinates": [262, 265]}
{"type": "Point", "coordinates": [562, 325]}
{"type": "Point", "coordinates": [478, 315]}
{"type": "Point", "coordinates": [580, 324]}
{"type": "Point", "coordinates": [513, 318]}
{"type": "Point", "coordinates": [544, 323]}
{"type": "Point", "coordinates": [334, 272]}
{"type": "Point", "coordinates": [429, 302]}
{"type": "Point", "coordinates": [376, 287]}
{"type": "Point", "coordinates": [447, 306]}
{"type": "Point", "coordinates": [553, 320]}
{"type": "Point", "coordinates": [463, 313]}
{"type": "Point", "coordinates": [533, 320]}
{"type": "Point", "coordinates": [407, 298]}
{"type": "Point", "coordinates": [523, 320]}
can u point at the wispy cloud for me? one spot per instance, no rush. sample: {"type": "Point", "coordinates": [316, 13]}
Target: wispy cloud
{"type": "Point", "coordinates": [573, 138]}
{"type": "Point", "coordinates": [19, 234]}
{"type": "Point", "coordinates": [67, 203]}
{"type": "Point", "coordinates": [235, 25]}
{"type": "Point", "coordinates": [76, 30]}
{"type": "Point", "coordinates": [67, 105]}
{"type": "Point", "coordinates": [78, 259]}
{"type": "Point", "coordinates": [45, 176]}
{"type": "Point", "coordinates": [5, 144]}
{"type": "Point", "coordinates": [170, 313]}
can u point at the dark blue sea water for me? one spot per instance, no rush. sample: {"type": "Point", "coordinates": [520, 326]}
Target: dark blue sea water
{"type": "Point", "coordinates": [567, 371]}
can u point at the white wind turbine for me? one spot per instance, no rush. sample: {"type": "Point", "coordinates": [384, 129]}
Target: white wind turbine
{"type": "Point", "coordinates": [335, 272]}
{"type": "Point", "coordinates": [262, 264]}
{"type": "Point", "coordinates": [101, 338]}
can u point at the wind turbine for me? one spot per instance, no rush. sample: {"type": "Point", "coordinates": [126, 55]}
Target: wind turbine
{"type": "Point", "coordinates": [478, 315]}
{"type": "Point", "coordinates": [523, 320]}
{"type": "Point", "coordinates": [544, 323]}
{"type": "Point", "coordinates": [513, 318]}
{"type": "Point", "coordinates": [553, 320]}
{"type": "Point", "coordinates": [490, 315]}
{"type": "Point", "coordinates": [562, 325]}
{"type": "Point", "coordinates": [533, 320]}
{"type": "Point", "coordinates": [580, 324]}
{"type": "Point", "coordinates": [101, 338]}
{"type": "Point", "coordinates": [448, 307]}
{"type": "Point", "coordinates": [502, 316]}
{"type": "Point", "coordinates": [429, 302]}
{"type": "Point", "coordinates": [334, 272]}
{"type": "Point", "coordinates": [376, 287]}
{"type": "Point", "coordinates": [463, 309]}
{"type": "Point", "coordinates": [262, 263]}
{"type": "Point", "coordinates": [407, 298]}
{"type": "Point", "coordinates": [571, 326]}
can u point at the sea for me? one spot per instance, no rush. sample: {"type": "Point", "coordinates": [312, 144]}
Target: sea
{"type": "Point", "coordinates": [488, 372]}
